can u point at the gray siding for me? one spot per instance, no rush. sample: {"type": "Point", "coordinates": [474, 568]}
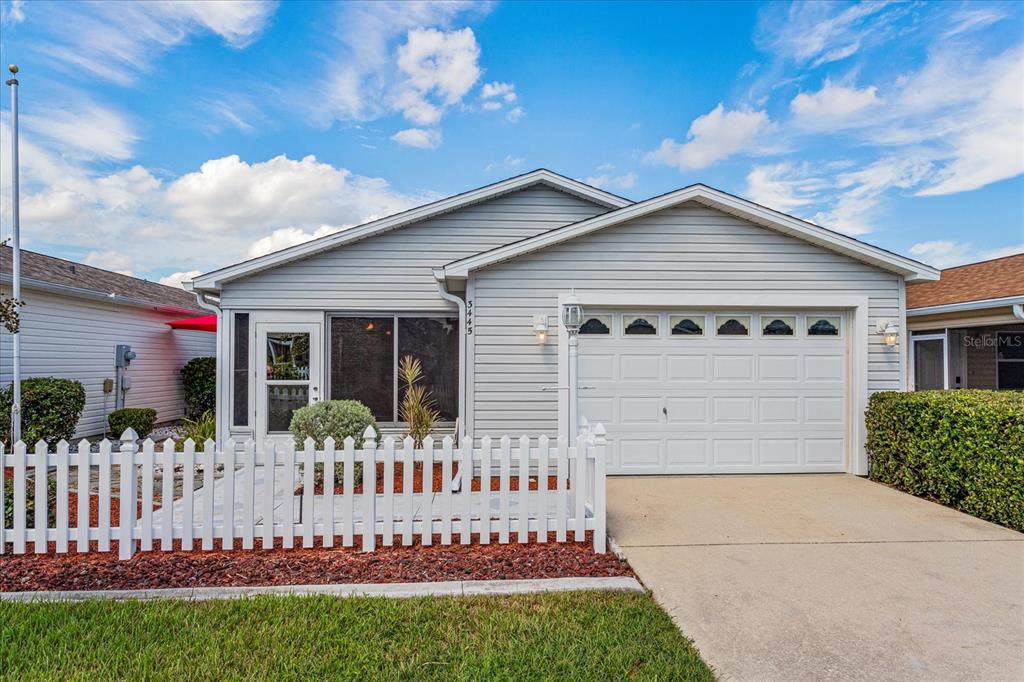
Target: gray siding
{"type": "Point", "coordinates": [392, 271]}
{"type": "Point", "coordinates": [74, 338]}
{"type": "Point", "coordinates": [689, 249]}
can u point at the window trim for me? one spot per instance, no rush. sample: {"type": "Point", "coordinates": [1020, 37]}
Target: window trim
{"type": "Point", "coordinates": [736, 316]}
{"type": "Point", "coordinates": [807, 326]}
{"type": "Point", "coordinates": [632, 317]}
{"type": "Point", "coordinates": [703, 317]}
{"type": "Point", "coordinates": [329, 315]}
{"type": "Point", "coordinates": [773, 316]}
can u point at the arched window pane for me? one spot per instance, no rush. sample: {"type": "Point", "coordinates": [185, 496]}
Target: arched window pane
{"type": "Point", "coordinates": [777, 326]}
{"type": "Point", "coordinates": [640, 325]}
{"type": "Point", "coordinates": [598, 324]}
{"type": "Point", "coordinates": [822, 326]}
{"type": "Point", "coordinates": [733, 325]}
{"type": "Point", "coordinates": [687, 326]}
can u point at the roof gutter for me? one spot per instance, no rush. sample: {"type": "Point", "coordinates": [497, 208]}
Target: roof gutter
{"type": "Point", "coordinates": [1016, 302]}
{"type": "Point", "coordinates": [108, 297]}
{"type": "Point", "coordinates": [442, 290]}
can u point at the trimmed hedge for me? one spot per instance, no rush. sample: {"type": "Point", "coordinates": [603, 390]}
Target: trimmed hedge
{"type": "Point", "coordinates": [139, 418]}
{"type": "Point", "coordinates": [199, 379]}
{"type": "Point", "coordinates": [964, 449]}
{"type": "Point", "coordinates": [50, 409]}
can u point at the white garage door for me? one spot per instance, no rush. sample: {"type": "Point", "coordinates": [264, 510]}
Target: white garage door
{"type": "Point", "coordinates": [718, 392]}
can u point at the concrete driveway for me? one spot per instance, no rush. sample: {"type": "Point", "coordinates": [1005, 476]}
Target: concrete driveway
{"type": "Point", "coordinates": [819, 577]}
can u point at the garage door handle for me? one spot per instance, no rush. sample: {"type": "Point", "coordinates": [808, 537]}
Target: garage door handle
{"type": "Point", "coordinates": [664, 411]}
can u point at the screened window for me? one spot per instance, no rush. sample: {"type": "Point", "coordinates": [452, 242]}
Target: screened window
{"type": "Point", "coordinates": [822, 326]}
{"type": "Point", "coordinates": [687, 325]}
{"type": "Point", "coordinates": [240, 371]}
{"type": "Point", "coordinates": [777, 326]}
{"type": "Point", "coordinates": [1010, 360]}
{"type": "Point", "coordinates": [365, 353]}
{"type": "Point", "coordinates": [645, 325]}
{"type": "Point", "coordinates": [733, 325]}
{"type": "Point", "coordinates": [597, 324]}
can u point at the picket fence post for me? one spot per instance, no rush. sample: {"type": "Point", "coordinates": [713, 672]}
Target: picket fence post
{"type": "Point", "coordinates": [369, 488]}
{"type": "Point", "coordinates": [128, 495]}
{"type": "Point", "coordinates": [600, 493]}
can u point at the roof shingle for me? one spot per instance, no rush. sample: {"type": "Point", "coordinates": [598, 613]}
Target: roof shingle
{"type": "Point", "coordinates": [996, 278]}
{"type": "Point", "coordinates": [53, 270]}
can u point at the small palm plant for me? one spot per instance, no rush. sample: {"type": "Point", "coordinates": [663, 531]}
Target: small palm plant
{"type": "Point", "coordinates": [417, 408]}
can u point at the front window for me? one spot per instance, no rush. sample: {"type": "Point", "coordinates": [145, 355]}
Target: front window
{"type": "Point", "coordinates": [240, 371]}
{"type": "Point", "coordinates": [1010, 360]}
{"type": "Point", "coordinates": [365, 353]}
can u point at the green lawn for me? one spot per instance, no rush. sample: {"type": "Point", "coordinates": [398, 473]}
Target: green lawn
{"type": "Point", "coordinates": [571, 636]}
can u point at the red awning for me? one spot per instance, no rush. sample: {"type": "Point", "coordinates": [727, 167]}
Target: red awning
{"type": "Point", "coordinates": [204, 323]}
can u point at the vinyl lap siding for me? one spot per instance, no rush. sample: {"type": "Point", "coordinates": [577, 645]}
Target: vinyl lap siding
{"type": "Point", "coordinates": [688, 249]}
{"type": "Point", "coordinates": [75, 338]}
{"type": "Point", "coordinates": [392, 271]}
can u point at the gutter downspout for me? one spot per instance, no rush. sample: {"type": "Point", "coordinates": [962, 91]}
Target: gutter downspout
{"type": "Point", "coordinates": [213, 305]}
{"type": "Point", "coordinates": [442, 290]}
{"type": "Point", "coordinates": [1018, 310]}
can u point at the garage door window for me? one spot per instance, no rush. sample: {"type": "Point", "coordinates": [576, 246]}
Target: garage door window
{"type": "Point", "coordinates": [823, 326]}
{"type": "Point", "coordinates": [773, 326]}
{"type": "Point", "coordinates": [641, 325]}
{"type": "Point", "coordinates": [733, 325]}
{"type": "Point", "coordinates": [597, 324]}
{"type": "Point", "coordinates": [686, 325]}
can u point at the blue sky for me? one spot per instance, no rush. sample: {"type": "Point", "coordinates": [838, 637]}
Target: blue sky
{"type": "Point", "coordinates": [167, 138]}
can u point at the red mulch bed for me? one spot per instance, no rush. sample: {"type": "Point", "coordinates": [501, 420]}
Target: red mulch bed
{"type": "Point", "coordinates": [417, 481]}
{"type": "Point", "coordinates": [156, 569]}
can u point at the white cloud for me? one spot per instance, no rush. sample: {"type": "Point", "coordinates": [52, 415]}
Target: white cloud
{"type": "Point", "coordinates": [784, 187]}
{"type": "Point", "coordinates": [14, 13]}
{"type": "Point", "coordinates": [176, 278]}
{"type": "Point", "coordinates": [89, 131]}
{"type": "Point", "coordinates": [505, 92]}
{"type": "Point", "coordinates": [117, 41]}
{"type": "Point", "coordinates": [712, 137]}
{"type": "Point", "coordinates": [946, 253]}
{"type": "Point", "coordinates": [832, 104]}
{"type": "Point", "coordinates": [439, 68]}
{"type": "Point", "coordinates": [400, 57]}
{"type": "Point", "coordinates": [507, 164]}
{"type": "Point", "coordinates": [287, 237]}
{"type": "Point", "coordinates": [514, 114]}
{"type": "Point", "coordinates": [817, 33]}
{"type": "Point", "coordinates": [110, 260]}
{"type": "Point", "coordinates": [972, 19]}
{"type": "Point", "coordinates": [418, 138]}
{"type": "Point", "coordinates": [607, 180]}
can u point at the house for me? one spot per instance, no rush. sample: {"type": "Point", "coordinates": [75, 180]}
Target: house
{"type": "Point", "coordinates": [719, 335]}
{"type": "Point", "coordinates": [968, 327]}
{"type": "Point", "coordinates": [74, 318]}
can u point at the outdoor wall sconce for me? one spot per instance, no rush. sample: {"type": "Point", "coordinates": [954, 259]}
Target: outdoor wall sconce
{"type": "Point", "coordinates": [889, 332]}
{"type": "Point", "coordinates": [540, 327]}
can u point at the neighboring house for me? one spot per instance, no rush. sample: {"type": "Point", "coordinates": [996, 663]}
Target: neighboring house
{"type": "Point", "coordinates": [720, 336]}
{"type": "Point", "coordinates": [968, 327]}
{"type": "Point", "coordinates": [74, 318]}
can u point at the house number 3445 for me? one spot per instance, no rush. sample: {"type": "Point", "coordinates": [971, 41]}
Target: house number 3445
{"type": "Point", "coordinates": [469, 318]}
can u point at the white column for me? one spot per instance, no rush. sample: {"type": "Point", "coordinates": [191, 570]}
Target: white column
{"type": "Point", "coordinates": [574, 386]}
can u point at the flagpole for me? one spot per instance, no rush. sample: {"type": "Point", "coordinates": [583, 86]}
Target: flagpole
{"type": "Point", "coordinates": [15, 257]}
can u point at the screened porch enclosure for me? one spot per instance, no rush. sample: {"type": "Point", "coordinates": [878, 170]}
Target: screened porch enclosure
{"type": "Point", "coordinates": [365, 353]}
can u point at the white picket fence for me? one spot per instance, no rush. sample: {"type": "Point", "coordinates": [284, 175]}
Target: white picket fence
{"type": "Point", "coordinates": [247, 491]}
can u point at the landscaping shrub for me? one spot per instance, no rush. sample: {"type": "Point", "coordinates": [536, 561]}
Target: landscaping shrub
{"type": "Point", "coordinates": [199, 379]}
{"type": "Point", "coordinates": [139, 418]}
{"type": "Point", "coordinates": [338, 419]}
{"type": "Point", "coordinates": [202, 429]}
{"type": "Point", "coordinates": [962, 448]}
{"type": "Point", "coordinates": [50, 409]}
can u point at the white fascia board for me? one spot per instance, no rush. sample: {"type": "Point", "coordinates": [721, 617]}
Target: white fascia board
{"type": "Point", "coordinates": [766, 217]}
{"type": "Point", "coordinates": [967, 305]}
{"type": "Point", "coordinates": [212, 281]}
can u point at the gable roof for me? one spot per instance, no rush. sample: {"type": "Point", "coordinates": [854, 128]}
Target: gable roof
{"type": "Point", "coordinates": [748, 210]}
{"type": "Point", "coordinates": [999, 278]}
{"type": "Point", "coordinates": [64, 276]}
{"type": "Point", "coordinates": [212, 281]}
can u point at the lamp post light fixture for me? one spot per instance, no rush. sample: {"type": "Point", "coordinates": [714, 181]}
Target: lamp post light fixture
{"type": "Point", "coordinates": [572, 319]}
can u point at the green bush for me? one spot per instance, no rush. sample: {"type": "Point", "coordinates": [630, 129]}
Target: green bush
{"type": "Point", "coordinates": [139, 418]}
{"type": "Point", "coordinates": [50, 409]}
{"type": "Point", "coordinates": [199, 379]}
{"type": "Point", "coordinates": [338, 419]}
{"type": "Point", "coordinates": [30, 500]}
{"type": "Point", "coordinates": [963, 448]}
{"type": "Point", "coordinates": [202, 429]}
